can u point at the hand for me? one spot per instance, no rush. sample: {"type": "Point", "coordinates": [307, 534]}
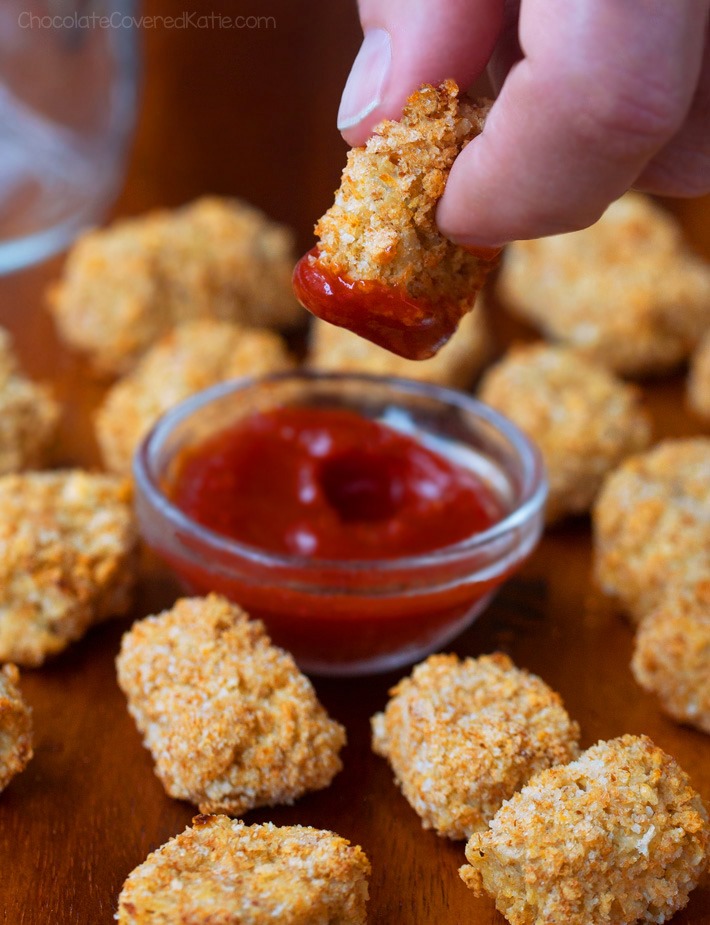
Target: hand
{"type": "Point", "coordinates": [595, 96]}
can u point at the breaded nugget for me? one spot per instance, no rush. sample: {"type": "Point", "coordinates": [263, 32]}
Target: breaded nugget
{"type": "Point", "coordinates": [616, 837]}
{"type": "Point", "coordinates": [652, 525]}
{"type": "Point", "coordinates": [463, 736]}
{"type": "Point", "coordinates": [626, 291]}
{"type": "Point", "coordinates": [189, 358]}
{"type": "Point", "coordinates": [229, 719]}
{"type": "Point", "coordinates": [456, 365]}
{"type": "Point", "coordinates": [223, 871]}
{"type": "Point", "coordinates": [28, 415]}
{"type": "Point", "coordinates": [672, 655]}
{"type": "Point", "coordinates": [382, 226]}
{"type": "Point", "coordinates": [67, 559]}
{"type": "Point", "coordinates": [15, 727]}
{"type": "Point", "coordinates": [699, 379]}
{"type": "Point", "coordinates": [124, 286]}
{"type": "Point", "coordinates": [584, 420]}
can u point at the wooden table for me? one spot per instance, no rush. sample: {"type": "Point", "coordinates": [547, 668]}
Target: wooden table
{"type": "Point", "coordinates": [252, 113]}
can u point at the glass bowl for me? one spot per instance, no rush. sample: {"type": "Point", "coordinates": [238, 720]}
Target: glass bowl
{"type": "Point", "coordinates": [350, 617]}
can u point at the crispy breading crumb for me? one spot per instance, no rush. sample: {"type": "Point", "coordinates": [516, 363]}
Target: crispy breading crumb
{"type": "Point", "coordinates": [463, 736]}
{"type": "Point", "coordinates": [584, 420]}
{"type": "Point", "coordinates": [699, 379]}
{"type": "Point", "coordinates": [223, 871]}
{"type": "Point", "coordinates": [68, 558]}
{"type": "Point", "coordinates": [672, 655]}
{"type": "Point", "coordinates": [189, 358]}
{"type": "Point", "coordinates": [456, 365]}
{"type": "Point", "coordinates": [15, 727]}
{"type": "Point", "coordinates": [125, 286]}
{"type": "Point", "coordinates": [28, 415]}
{"type": "Point", "coordinates": [618, 836]}
{"type": "Point", "coordinates": [627, 291]}
{"type": "Point", "coordinates": [231, 722]}
{"type": "Point", "coordinates": [652, 525]}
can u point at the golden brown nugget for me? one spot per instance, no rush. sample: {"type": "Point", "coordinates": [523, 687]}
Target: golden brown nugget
{"type": "Point", "coordinates": [584, 420]}
{"type": "Point", "coordinates": [28, 415]}
{"type": "Point", "coordinates": [618, 836]}
{"type": "Point", "coordinates": [125, 286]}
{"type": "Point", "coordinates": [230, 721]}
{"type": "Point", "coordinates": [456, 365]}
{"type": "Point", "coordinates": [15, 727]}
{"type": "Point", "coordinates": [381, 234]}
{"type": "Point", "coordinates": [191, 357]}
{"type": "Point", "coordinates": [672, 655]}
{"type": "Point", "coordinates": [652, 525]}
{"type": "Point", "coordinates": [627, 291]}
{"type": "Point", "coordinates": [463, 736]}
{"type": "Point", "coordinates": [223, 871]}
{"type": "Point", "coordinates": [67, 559]}
{"type": "Point", "coordinates": [699, 379]}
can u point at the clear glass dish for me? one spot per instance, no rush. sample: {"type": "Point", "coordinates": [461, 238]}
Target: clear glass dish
{"type": "Point", "coordinates": [68, 71]}
{"type": "Point", "coordinates": [349, 617]}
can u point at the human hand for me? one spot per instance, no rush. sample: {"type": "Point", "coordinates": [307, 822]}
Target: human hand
{"type": "Point", "coordinates": [595, 96]}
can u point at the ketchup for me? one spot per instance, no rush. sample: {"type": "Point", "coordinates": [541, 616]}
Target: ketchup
{"type": "Point", "coordinates": [386, 315]}
{"type": "Point", "coordinates": [327, 506]}
{"type": "Point", "coordinates": [329, 484]}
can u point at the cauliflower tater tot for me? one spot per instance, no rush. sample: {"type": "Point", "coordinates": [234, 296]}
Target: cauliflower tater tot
{"type": "Point", "coordinates": [652, 525]}
{"type": "Point", "coordinates": [15, 727]}
{"type": "Point", "coordinates": [28, 415]}
{"type": "Point", "coordinates": [627, 291]}
{"type": "Point", "coordinates": [68, 559]}
{"type": "Point", "coordinates": [223, 871]}
{"type": "Point", "coordinates": [618, 836]}
{"type": "Point", "coordinates": [230, 721]}
{"type": "Point", "coordinates": [456, 365]}
{"type": "Point", "coordinates": [672, 655]}
{"type": "Point", "coordinates": [463, 736]}
{"type": "Point", "coordinates": [584, 420]}
{"type": "Point", "coordinates": [699, 379]}
{"type": "Point", "coordinates": [125, 286]}
{"type": "Point", "coordinates": [381, 267]}
{"type": "Point", "coordinates": [192, 357]}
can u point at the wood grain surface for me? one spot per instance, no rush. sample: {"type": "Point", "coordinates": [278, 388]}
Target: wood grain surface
{"type": "Point", "coordinates": [252, 114]}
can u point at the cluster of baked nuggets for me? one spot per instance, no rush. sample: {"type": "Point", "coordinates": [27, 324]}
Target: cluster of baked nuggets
{"type": "Point", "coordinates": [179, 300]}
{"type": "Point", "coordinates": [481, 750]}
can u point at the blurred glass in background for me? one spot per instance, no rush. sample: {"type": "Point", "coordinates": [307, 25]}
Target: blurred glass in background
{"type": "Point", "coordinates": [68, 71]}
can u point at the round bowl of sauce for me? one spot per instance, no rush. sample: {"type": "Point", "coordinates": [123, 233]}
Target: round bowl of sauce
{"type": "Point", "coordinates": [366, 520]}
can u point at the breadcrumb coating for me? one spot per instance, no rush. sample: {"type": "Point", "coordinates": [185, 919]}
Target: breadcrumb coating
{"type": "Point", "coordinates": [627, 291]}
{"type": "Point", "coordinates": [15, 727]}
{"type": "Point", "coordinates": [125, 286]}
{"type": "Point", "coordinates": [672, 655]}
{"type": "Point", "coordinates": [618, 836]}
{"type": "Point", "coordinates": [68, 559]}
{"type": "Point", "coordinates": [584, 420]}
{"type": "Point", "coordinates": [28, 415]}
{"type": "Point", "coordinates": [456, 365]}
{"type": "Point", "coordinates": [189, 358]}
{"type": "Point", "coordinates": [652, 525]}
{"type": "Point", "coordinates": [223, 871]}
{"type": "Point", "coordinates": [231, 722]}
{"type": "Point", "coordinates": [463, 736]}
{"type": "Point", "coordinates": [699, 379]}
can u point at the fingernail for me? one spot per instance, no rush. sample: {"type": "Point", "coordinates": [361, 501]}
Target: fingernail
{"type": "Point", "coordinates": [366, 82]}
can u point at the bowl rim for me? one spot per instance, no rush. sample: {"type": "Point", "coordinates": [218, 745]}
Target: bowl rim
{"type": "Point", "coordinates": [534, 488]}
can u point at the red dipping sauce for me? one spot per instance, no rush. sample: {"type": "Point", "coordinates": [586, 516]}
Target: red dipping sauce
{"type": "Point", "coordinates": [365, 520]}
{"type": "Point", "coordinates": [329, 484]}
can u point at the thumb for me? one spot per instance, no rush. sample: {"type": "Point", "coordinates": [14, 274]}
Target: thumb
{"type": "Point", "coordinates": [408, 43]}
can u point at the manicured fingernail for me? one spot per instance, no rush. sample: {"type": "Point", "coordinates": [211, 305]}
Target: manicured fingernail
{"type": "Point", "coordinates": [366, 83]}
{"type": "Point", "coordinates": [483, 253]}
